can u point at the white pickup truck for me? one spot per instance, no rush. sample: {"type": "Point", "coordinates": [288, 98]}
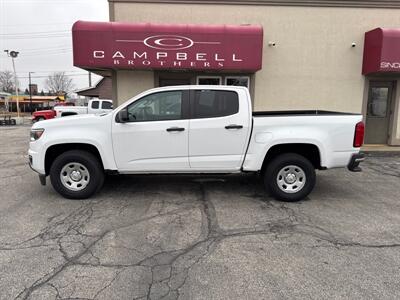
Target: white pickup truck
{"type": "Point", "coordinates": [95, 106]}
{"type": "Point", "coordinates": [195, 129]}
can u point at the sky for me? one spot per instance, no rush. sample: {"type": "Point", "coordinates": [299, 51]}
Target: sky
{"type": "Point", "coordinates": [40, 30]}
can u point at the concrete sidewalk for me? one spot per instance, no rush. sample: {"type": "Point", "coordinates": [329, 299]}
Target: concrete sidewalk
{"type": "Point", "coordinates": [380, 148]}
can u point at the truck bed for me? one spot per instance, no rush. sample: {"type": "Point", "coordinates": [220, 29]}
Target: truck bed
{"type": "Point", "coordinates": [332, 132]}
{"type": "Point", "coordinates": [300, 113]}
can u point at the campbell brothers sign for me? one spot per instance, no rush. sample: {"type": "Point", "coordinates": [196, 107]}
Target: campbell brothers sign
{"type": "Point", "coordinates": [113, 45]}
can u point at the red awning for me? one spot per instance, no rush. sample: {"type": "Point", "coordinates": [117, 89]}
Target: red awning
{"type": "Point", "coordinates": [114, 45]}
{"type": "Point", "coordinates": [381, 51]}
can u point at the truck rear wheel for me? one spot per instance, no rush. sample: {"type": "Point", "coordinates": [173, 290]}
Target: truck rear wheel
{"type": "Point", "coordinates": [290, 177]}
{"type": "Point", "coordinates": [76, 174]}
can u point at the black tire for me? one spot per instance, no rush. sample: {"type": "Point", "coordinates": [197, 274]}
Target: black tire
{"type": "Point", "coordinates": [277, 165]}
{"type": "Point", "coordinates": [38, 119]}
{"type": "Point", "coordinates": [89, 161]}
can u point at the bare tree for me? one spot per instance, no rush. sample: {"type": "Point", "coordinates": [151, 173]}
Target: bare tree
{"type": "Point", "coordinates": [7, 83]}
{"type": "Point", "coordinates": [59, 83]}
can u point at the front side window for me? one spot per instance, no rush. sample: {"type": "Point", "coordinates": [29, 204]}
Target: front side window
{"type": "Point", "coordinates": [106, 105]}
{"type": "Point", "coordinates": [215, 103]}
{"type": "Point", "coordinates": [156, 107]}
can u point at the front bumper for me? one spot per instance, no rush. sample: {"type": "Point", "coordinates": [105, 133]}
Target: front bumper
{"type": "Point", "coordinates": [355, 161]}
{"type": "Point", "coordinates": [42, 177]}
{"type": "Point", "coordinates": [34, 163]}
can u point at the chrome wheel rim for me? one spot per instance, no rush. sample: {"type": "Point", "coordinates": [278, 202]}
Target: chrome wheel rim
{"type": "Point", "coordinates": [291, 179]}
{"type": "Point", "coordinates": [74, 176]}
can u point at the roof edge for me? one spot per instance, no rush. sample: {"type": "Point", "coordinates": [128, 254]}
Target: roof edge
{"type": "Point", "coordinates": [310, 3]}
{"type": "Point", "coordinates": [90, 87]}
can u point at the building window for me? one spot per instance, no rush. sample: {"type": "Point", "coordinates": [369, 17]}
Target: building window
{"type": "Point", "coordinates": [209, 80]}
{"type": "Point", "coordinates": [238, 81]}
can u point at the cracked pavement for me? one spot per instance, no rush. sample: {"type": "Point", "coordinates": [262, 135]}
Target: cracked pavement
{"type": "Point", "coordinates": [188, 237]}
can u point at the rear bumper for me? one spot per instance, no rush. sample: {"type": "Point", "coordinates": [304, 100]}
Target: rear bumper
{"type": "Point", "coordinates": [355, 161]}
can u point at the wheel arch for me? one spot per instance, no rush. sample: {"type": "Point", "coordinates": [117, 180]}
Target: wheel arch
{"type": "Point", "coordinates": [54, 151]}
{"type": "Point", "coordinates": [308, 150]}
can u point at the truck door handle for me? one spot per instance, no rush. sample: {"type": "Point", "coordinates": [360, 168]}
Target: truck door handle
{"type": "Point", "coordinates": [233, 126]}
{"type": "Point", "coordinates": [175, 129]}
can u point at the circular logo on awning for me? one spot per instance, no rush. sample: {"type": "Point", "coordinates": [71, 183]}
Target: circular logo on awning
{"type": "Point", "coordinates": [168, 42]}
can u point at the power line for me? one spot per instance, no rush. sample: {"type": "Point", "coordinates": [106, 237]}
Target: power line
{"type": "Point", "coordinates": [45, 54]}
{"type": "Point", "coordinates": [22, 53]}
{"type": "Point", "coordinates": [36, 37]}
{"type": "Point", "coordinates": [35, 32]}
{"type": "Point", "coordinates": [42, 24]}
{"type": "Point", "coordinates": [49, 71]}
{"type": "Point", "coordinates": [47, 2]}
{"type": "Point", "coordinates": [43, 48]}
{"type": "Point", "coordinates": [46, 76]}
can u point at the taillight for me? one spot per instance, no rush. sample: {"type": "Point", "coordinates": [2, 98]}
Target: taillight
{"type": "Point", "coordinates": [359, 135]}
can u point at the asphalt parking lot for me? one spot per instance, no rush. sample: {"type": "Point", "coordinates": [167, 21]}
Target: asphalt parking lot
{"type": "Point", "coordinates": [169, 237]}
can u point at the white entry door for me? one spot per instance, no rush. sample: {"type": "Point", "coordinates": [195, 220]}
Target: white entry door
{"type": "Point", "coordinates": [155, 136]}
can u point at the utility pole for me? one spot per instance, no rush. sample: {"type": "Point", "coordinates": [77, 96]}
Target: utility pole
{"type": "Point", "coordinates": [90, 79]}
{"type": "Point", "coordinates": [14, 54]}
{"type": "Point", "coordinates": [30, 92]}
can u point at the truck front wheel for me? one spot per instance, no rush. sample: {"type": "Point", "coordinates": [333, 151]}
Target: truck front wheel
{"type": "Point", "coordinates": [76, 174]}
{"type": "Point", "coordinates": [290, 177]}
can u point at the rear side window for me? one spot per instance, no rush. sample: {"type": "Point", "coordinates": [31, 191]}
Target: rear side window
{"type": "Point", "coordinates": [95, 104]}
{"type": "Point", "coordinates": [214, 103]}
{"type": "Point", "coordinates": [106, 105]}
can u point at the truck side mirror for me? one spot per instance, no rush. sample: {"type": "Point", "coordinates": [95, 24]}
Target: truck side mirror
{"type": "Point", "coordinates": [123, 116]}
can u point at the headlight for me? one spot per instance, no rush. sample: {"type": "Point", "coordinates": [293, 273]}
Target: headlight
{"type": "Point", "coordinates": [36, 134]}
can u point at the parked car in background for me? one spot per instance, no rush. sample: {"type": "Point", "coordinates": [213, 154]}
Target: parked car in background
{"type": "Point", "coordinates": [95, 106]}
{"type": "Point", "coordinates": [47, 114]}
{"type": "Point", "coordinates": [63, 109]}
{"type": "Point", "coordinates": [41, 115]}
{"type": "Point", "coordinates": [195, 129]}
